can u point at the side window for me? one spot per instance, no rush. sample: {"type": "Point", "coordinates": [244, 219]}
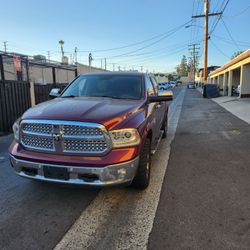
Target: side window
{"type": "Point", "coordinates": [156, 87]}
{"type": "Point", "coordinates": [149, 86]}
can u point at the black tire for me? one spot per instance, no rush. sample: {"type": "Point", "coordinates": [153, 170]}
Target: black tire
{"type": "Point", "coordinates": [142, 178]}
{"type": "Point", "coordinates": [164, 127]}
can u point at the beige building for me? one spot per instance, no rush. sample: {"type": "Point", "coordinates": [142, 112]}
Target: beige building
{"type": "Point", "coordinates": [234, 73]}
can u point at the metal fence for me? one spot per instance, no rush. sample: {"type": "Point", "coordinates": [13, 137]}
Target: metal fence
{"type": "Point", "coordinates": [14, 101]}
{"type": "Point", "coordinates": [16, 71]}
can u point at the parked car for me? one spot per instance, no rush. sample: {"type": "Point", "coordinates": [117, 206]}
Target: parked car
{"type": "Point", "coordinates": [162, 85]}
{"type": "Point", "coordinates": [100, 131]}
{"type": "Point", "coordinates": [191, 85]}
{"type": "Point", "coordinates": [173, 84]}
{"type": "Point", "coordinates": [168, 85]}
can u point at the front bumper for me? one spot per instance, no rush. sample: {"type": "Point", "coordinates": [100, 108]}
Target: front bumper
{"type": "Point", "coordinates": [109, 175]}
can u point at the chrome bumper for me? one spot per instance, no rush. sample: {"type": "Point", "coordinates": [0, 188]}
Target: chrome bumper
{"type": "Point", "coordinates": [103, 176]}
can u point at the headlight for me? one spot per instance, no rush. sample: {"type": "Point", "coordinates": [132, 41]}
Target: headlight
{"type": "Point", "coordinates": [125, 137]}
{"type": "Point", "coordinates": [16, 131]}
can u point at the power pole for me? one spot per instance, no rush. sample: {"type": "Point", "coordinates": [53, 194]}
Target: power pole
{"type": "Point", "coordinates": [206, 16]}
{"type": "Point", "coordinates": [71, 59]}
{"type": "Point", "coordinates": [5, 46]}
{"type": "Point", "coordinates": [194, 53]}
{"type": "Point", "coordinates": [90, 61]}
{"type": "Point", "coordinates": [48, 55]}
{"type": "Point", "coordinates": [76, 55]}
{"type": "Point", "coordinates": [113, 66]}
{"type": "Point", "coordinates": [105, 64]}
{"type": "Point", "coordinates": [205, 40]}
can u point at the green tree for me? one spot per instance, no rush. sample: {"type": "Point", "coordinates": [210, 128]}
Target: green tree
{"type": "Point", "coordinates": [61, 42]}
{"type": "Point", "coordinates": [236, 53]}
{"type": "Point", "coordinates": [170, 77]}
{"type": "Point", "coordinates": [182, 68]}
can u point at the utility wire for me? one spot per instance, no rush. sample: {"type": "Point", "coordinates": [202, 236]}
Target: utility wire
{"type": "Point", "coordinates": [215, 46]}
{"type": "Point", "coordinates": [133, 44]}
{"type": "Point", "coordinates": [229, 33]}
{"type": "Point", "coordinates": [220, 9]}
{"type": "Point", "coordinates": [216, 23]}
{"type": "Point", "coordinates": [240, 13]}
{"type": "Point", "coordinates": [158, 55]}
{"type": "Point", "coordinates": [240, 43]}
{"type": "Point", "coordinates": [155, 51]}
{"type": "Point", "coordinates": [171, 32]}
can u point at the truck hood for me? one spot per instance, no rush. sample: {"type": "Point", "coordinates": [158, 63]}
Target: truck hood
{"type": "Point", "coordinates": [107, 111]}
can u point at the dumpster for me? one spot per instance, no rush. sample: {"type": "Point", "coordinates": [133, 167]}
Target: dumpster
{"type": "Point", "coordinates": [210, 91]}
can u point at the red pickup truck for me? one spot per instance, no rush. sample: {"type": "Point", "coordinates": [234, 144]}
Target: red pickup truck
{"type": "Point", "coordinates": [100, 131]}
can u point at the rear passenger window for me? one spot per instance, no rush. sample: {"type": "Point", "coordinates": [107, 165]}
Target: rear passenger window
{"type": "Point", "coordinates": [154, 83]}
{"type": "Point", "coordinates": [149, 86]}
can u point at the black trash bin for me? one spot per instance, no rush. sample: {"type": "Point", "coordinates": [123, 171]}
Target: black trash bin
{"type": "Point", "coordinates": [210, 91]}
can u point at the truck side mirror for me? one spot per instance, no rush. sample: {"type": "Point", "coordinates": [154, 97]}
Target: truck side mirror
{"type": "Point", "coordinates": [163, 96]}
{"type": "Point", "coordinates": [54, 93]}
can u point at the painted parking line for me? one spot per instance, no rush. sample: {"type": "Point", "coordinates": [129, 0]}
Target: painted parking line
{"type": "Point", "coordinates": [123, 218]}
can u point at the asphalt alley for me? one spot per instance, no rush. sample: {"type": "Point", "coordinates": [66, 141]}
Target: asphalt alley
{"type": "Point", "coordinates": [204, 202]}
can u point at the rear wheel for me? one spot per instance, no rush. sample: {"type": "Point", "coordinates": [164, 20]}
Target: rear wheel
{"type": "Point", "coordinates": [142, 178]}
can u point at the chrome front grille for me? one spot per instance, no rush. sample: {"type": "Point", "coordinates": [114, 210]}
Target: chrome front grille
{"type": "Point", "coordinates": [71, 145]}
{"type": "Point", "coordinates": [37, 142]}
{"type": "Point", "coordinates": [38, 128]}
{"type": "Point", "coordinates": [69, 130]}
{"type": "Point", "coordinates": [65, 137]}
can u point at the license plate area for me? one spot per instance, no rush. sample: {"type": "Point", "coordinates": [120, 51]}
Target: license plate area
{"type": "Point", "coordinates": [55, 173]}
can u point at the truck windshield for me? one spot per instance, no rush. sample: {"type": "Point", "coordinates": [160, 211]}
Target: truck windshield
{"type": "Point", "coordinates": [111, 86]}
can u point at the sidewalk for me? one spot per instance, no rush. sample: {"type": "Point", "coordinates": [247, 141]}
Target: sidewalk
{"type": "Point", "coordinates": [235, 105]}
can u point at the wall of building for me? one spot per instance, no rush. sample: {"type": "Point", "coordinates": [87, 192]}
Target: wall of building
{"type": "Point", "coordinates": [41, 71]}
{"type": "Point", "coordinates": [184, 79]}
{"type": "Point", "coordinates": [235, 72]}
{"type": "Point", "coordinates": [162, 78]}
{"type": "Point", "coordinates": [245, 80]}
{"type": "Point", "coordinates": [81, 69]}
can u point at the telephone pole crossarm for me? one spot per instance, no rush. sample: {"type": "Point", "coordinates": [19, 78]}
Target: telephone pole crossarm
{"type": "Point", "coordinates": [210, 14]}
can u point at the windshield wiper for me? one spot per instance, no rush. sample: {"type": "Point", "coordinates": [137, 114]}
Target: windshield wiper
{"type": "Point", "coordinates": [68, 96]}
{"type": "Point", "coordinates": [108, 96]}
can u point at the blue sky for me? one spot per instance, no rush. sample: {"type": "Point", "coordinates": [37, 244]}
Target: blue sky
{"type": "Point", "coordinates": [35, 27]}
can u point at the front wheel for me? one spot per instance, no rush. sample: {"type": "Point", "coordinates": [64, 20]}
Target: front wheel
{"type": "Point", "coordinates": [142, 178]}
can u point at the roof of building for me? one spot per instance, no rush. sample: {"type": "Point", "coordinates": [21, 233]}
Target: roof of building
{"type": "Point", "coordinates": [237, 59]}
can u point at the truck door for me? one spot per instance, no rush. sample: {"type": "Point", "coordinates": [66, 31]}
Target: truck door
{"type": "Point", "coordinates": [160, 106]}
{"type": "Point", "coordinates": [154, 110]}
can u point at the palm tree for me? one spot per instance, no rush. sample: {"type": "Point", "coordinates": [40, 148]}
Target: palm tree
{"type": "Point", "coordinates": [61, 42]}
